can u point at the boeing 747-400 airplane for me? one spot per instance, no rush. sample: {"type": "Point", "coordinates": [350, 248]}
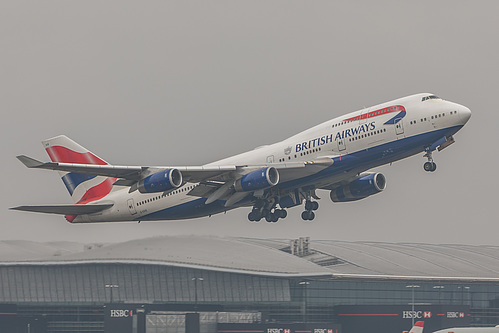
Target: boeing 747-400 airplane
{"type": "Point", "coordinates": [333, 156]}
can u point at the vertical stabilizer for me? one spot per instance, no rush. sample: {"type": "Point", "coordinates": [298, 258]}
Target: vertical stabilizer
{"type": "Point", "coordinates": [83, 188]}
{"type": "Point", "coordinates": [418, 327]}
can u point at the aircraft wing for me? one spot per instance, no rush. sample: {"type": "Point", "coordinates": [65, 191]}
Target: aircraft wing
{"type": "Point", "coordinates": [216, 182]}
{"type": "Point", "coordinates": [127, 175]}
{"type": "Point", "coordinates": [65, 209]}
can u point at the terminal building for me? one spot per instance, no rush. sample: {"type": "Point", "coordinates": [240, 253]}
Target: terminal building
{"type": "Point", "coordinates": [180, 284]}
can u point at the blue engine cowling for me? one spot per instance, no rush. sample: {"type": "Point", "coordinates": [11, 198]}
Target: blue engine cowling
{"type": "Point", "coordinates": [257, 180]}
{"type": "Point", "coordinates": [161, 181]}
{"type": "Point", "coordinates": [360, 188]}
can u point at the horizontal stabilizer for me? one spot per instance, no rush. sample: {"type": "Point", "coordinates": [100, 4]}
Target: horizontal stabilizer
{"type": "Point", "coordinates": [65, 209]}
{"type": "Point", "coordinates": [29, 162]}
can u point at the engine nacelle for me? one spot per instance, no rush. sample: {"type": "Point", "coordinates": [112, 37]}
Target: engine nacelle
{"type": "Point", "coordinates": [257, 180]}
{"type": "Point", "coordinates": [360, 188]}
{"type": "Point", "coordinates": [161, 181]}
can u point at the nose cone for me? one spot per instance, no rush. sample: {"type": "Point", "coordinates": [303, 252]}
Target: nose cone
{"type": "Point", "coordinates": [464, 114]}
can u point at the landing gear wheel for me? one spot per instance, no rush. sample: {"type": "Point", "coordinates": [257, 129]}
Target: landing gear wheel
{"type": "Point", "coordinates": [430, 166]}
{"type": "Point", "coordinates": [272, 218]}
{"type": "Point", "coordinates": [311, 205]}
{"type": "Point", "coordinates": [308, 215]}
{"type": "Point", "coordinates": [255, 215]}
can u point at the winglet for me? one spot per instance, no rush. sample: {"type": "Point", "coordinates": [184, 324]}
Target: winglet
{"type": "Point", "coordinates": [29, 162]}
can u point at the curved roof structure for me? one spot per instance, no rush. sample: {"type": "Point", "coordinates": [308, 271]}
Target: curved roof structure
{"type": "Point", "coordinates": [271, 257]}
{"type": "Point", "coordinates": [404, 259]}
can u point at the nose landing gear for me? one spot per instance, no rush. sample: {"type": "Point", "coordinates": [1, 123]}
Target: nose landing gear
{"type": "Point", "coordinates": [429, 166]}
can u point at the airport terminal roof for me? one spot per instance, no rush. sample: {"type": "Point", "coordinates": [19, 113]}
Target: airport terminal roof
{"type": "Point", "coordinates": [273, 257]}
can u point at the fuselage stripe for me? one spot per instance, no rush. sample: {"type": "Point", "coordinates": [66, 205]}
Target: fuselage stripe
{"type": "Point", "coordinates": [375, 113]}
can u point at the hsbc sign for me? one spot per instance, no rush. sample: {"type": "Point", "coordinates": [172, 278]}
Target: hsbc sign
{"type": "Point", "coordinates": [293, 330]}
{"type": "Point", "coordinates": [119, 318]}
{"type": "Point", "coordinates": [278, 330]}
{"type": "Point", "coordinates": [416, 314]}
{"type": "Point", "coordinates": [412, 314]}
{"type": "Point", "coordinates": [121, 313]}
{"type": "Point", "coordinates": [428, 314]}
{"type": "Point", "coordinates": [323, 330]}
{"type": "Point", "coordinates": [454, 314]}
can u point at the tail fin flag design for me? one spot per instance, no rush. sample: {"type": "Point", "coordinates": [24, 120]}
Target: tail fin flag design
{"type": "Point", "coordinates": [83, 188]}
{"type": "Point", "coordinates": [418, 327]}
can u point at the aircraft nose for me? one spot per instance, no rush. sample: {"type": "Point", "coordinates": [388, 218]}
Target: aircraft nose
{"type": "Point", "coordinates": [464, 114]}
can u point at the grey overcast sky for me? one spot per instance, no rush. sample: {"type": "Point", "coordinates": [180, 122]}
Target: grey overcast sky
{"type": "Point", "coordinates": [190, 82]}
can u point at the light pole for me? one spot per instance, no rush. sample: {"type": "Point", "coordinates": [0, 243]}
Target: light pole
{"type": "Point", "coordinates": [463, 288]}
{"type": "Point", "coordinates": [111, 287]}
{"type": "Point", "coordinates": [304, 284]}
{"type": "Point", "coordinates": [196, 279]}
{"type": "Point", "coordinates": [412, 286]}
{"type": "Point", "coordinates": [439, 288]}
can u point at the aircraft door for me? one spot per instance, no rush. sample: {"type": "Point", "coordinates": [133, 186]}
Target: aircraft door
{"type": "Point", "coordinates": [270, 159]}
{"type": "Point", "coordinates": [341, 144]}
{"type": "Point", "coordinates": [131, 207]}
{"type": "Point", "coordinates": [363, 116]}
{"type": "Point", "coordinates": [399, 127]}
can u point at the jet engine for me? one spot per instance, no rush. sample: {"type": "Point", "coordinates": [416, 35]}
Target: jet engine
{"type": "Point", "coordinates": [161, 181]}
{"type": "Point", "coordinates": [362, 187]}
{"type": "Point", "coordinates": [257, 180]}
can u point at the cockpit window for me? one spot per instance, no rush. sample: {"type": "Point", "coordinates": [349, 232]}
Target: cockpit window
{"type": "Point", "coordinates": [429, 97]}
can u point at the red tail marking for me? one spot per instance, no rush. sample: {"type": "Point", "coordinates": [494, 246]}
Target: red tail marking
{"type": "Point", "coordinates": [70, 218]}
{"type": "Point", "coordinates": [97, 192]}
{"type": "Point", "coordinates": [65, 155]}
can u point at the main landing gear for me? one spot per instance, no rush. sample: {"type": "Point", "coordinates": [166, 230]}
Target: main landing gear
{"type": "Point", "coordinates": [310, 206]}
{"type": "Point", "coordinates": [268, 210]}
{"type": "Point", "coordinates": [429, 166]}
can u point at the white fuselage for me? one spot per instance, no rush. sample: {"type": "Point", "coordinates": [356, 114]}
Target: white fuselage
{"type": "Point", "coordinates": [371, 136]}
